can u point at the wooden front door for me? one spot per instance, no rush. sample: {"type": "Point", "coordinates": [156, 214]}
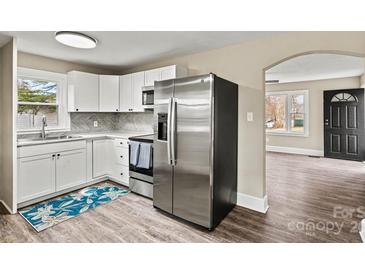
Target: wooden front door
{"type": "Point", "coordinates": [344, 124]}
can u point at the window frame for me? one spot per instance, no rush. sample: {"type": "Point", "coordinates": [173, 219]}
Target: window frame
{"type": "Point", "coordinates": [288, 107]}
{"type": "Point", "coordinates": [64, 123]}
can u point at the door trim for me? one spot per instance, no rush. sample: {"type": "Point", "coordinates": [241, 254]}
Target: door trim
{"type": "Point", "coordinates": [343, 131]}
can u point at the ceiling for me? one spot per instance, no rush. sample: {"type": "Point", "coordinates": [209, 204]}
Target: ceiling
{"type": "Point", "coordinates": [118, 50]}
{"type": "Point", "coordinates": [316, 67]}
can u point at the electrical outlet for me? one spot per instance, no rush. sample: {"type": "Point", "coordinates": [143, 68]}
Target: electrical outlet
{"type": "Point", "coordinates": [95, 123]}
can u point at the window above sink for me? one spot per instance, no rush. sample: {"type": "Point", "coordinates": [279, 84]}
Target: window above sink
{"type": "Point", "coordinates": [41, 93]}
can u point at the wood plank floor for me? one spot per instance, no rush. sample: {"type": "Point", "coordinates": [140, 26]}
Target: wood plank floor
{"type": "Point", "coordinates": [302, 191]}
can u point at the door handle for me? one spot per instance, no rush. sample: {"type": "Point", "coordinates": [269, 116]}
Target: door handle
{"type": "Point", "coordinates": [169, 131]}
{"type": "Point", "coordinates": [173, 132]}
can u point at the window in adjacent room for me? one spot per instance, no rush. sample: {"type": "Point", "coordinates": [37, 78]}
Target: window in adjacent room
{"type": "Point", "coordinates": [286, 113]}
{"type": "Point", "coordinates": [41, 93]}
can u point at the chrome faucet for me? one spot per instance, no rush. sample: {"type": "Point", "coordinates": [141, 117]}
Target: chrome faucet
{"type": "Point", "coordinates": [44, 124]}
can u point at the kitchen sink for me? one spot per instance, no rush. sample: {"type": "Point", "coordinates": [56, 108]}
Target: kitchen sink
{"type": "Point", "coordinates": [50, 138]}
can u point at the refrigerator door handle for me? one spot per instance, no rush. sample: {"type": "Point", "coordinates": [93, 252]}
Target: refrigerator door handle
{"type": "Point", "coordinates": [169, 131]}
{"type": "Point", "coordinates": [173, 132]}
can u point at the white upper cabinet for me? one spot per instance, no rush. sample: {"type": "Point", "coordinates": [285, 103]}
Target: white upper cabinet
{"type": "Point", "coordinates": [168, 73]}
{"type": "Point", "coordinates": [137, 84]}
{"type": "Point", "coordinates": [130, 92]}
{"type": "Point", "coordinates": [83, 92]}
{"type": "Point", "coordinates": [125, 93]}
{"type": "Point", "coordinates": [108, 93]}
{"type": "Point", "coordinates": [164, 73]}
{"type": "Point", "coordinates": [89, 92]}
{"type": "Point", "coordinates": [151, 76]}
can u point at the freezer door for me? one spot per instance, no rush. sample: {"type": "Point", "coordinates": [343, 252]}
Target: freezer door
{"type": "Point", "coordinates": [162, 169]}
{"type": "Point", "coordinates": [193, 155]}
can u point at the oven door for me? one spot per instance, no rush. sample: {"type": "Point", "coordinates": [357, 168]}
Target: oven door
{"type": "Point", "coordinates": [141, 173]}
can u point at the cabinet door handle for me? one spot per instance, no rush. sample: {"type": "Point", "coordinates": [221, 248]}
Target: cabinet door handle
{"type": "Point", "coordinates": [58, 156]}
{"type": "Point", "coordinates": [121, 173]}
{"type": "Point", "coordinates": [116, 110]}
{"type": "Point", "coordinates": [53, 155]}
{"type": "Point", "coordinates": [121, 156]}
{"type": "Point", "coordinates": [121, 143]}
{"type": "Point", "coordinates": [77, 109]}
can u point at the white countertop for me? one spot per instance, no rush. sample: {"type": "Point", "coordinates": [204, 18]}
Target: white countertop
{"type": "Point", "coordinates": [84, 136]}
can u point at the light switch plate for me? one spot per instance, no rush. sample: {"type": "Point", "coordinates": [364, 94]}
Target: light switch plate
{"type": "Point", "coordinates": [95, 123]}
{"type": "Point", "coordinates": [249, 116]}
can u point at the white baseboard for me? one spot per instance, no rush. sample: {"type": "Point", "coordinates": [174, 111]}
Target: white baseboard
{"type": "Point", "coordinates": [251, 202]}
{"type": "Point", "coordinates": [295, 150]}
{"type": "Point", "coordinates": [6, 207]}
{"type": "Point", "coordinates": [362, 230]}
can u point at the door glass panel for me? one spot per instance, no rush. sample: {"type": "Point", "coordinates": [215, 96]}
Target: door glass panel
{"type": "Point", "coordinates": [343, 97]}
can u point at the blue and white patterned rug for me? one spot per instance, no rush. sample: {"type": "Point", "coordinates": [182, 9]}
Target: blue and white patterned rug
{"type": "Point", "coordinates": [50, 213]}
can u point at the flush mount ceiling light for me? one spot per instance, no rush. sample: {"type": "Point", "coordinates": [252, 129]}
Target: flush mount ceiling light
{"type": "Point", "coordinates": [75, 39]}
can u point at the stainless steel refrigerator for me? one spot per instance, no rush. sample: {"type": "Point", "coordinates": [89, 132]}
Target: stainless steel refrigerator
{"type": "Point", "coordinates": [195, 148]}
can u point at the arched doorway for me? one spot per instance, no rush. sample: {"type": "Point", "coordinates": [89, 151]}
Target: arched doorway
{"type": "Point", "coordinates": [302, 185]}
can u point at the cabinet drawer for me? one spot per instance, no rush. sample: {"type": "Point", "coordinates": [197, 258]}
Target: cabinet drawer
{"type": "Point", "coordinates": [120, 172]}
{"type": "Point", "coordinates": [121, 156]}
{"type": "Point", "coordinates": [120, 143]}
{"type": "Point", "coordinates": [40, 149]}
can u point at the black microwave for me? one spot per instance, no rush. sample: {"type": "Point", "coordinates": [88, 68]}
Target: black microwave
{"type": "Point", "coordinates": [147, 96]}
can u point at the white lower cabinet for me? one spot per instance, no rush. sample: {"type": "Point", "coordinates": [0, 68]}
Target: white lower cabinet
{"type": "Point", "coordinates": [49, 168]}
{"type": "Point", "coordinates": [111, 158]}
{"type": "Point", "coordinates": [100, 157]}
{"type": "Point", "coordinates": [120, 173]}
{"type": "Point", "coordinates": [36, 177]}
{"type": "Point", "coordinates": [70, 169]}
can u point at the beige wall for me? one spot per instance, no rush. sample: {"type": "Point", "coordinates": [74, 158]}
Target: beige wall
{"type": "Point", "coordinates": [245, 64]}
{"type": "Point", "coordinates": [315, 139]}
{"type": "Point", "coordinates": [27, 60]}
{"type": "Point", "coordinates": [8, 154]}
